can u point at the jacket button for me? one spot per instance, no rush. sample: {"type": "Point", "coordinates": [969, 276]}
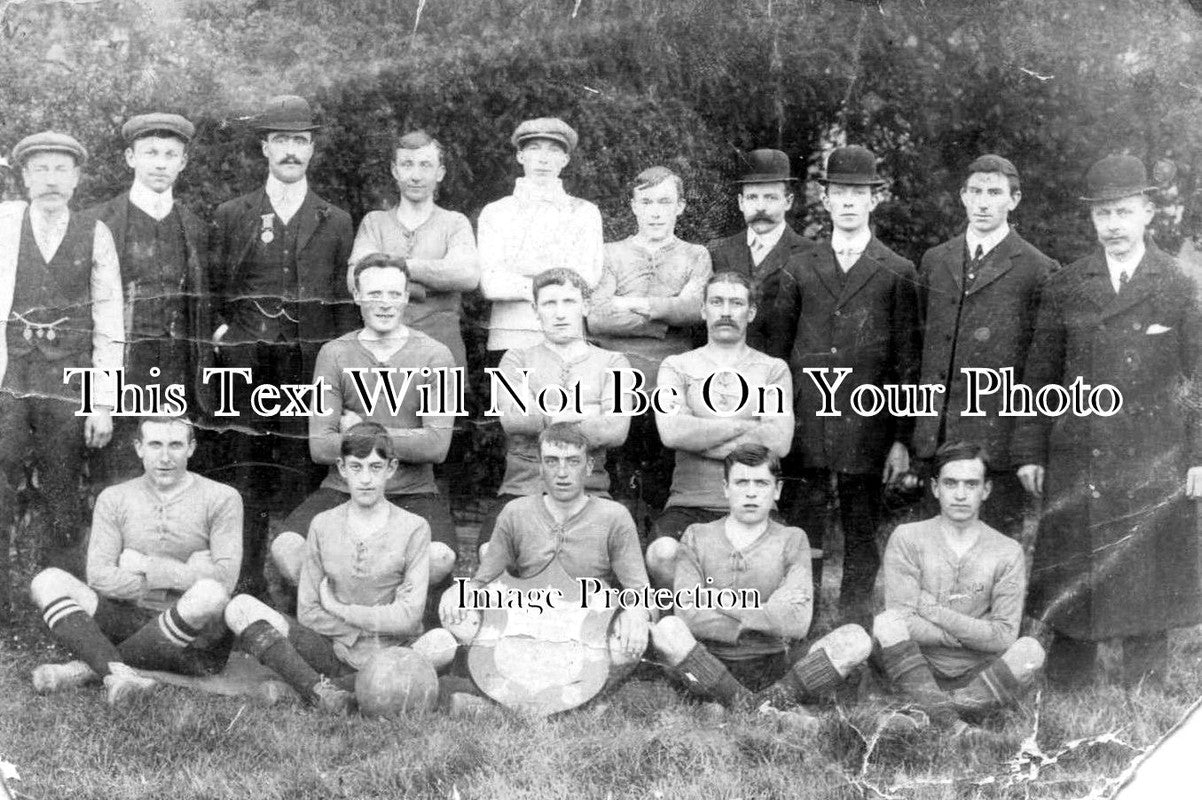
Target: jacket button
{"type": "Point", "coordinates": [834, 349]}
{"type": "Point", "coordinates": [1096, 494]}
{"type": "Point", "coordinates": [1096, 453]}
{"type": "Point", "coordinates": [838, 313]}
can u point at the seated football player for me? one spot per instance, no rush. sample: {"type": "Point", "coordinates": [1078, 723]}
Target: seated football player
{"type": "Point", "coordinates": [747, 656]}
{"type": "Point", "coordinates": [163, 556]}
{"type": "Point", "coordinates": [954, 591]}
{"type": "Point", "coordinates": [419, 442]}
{"type": "Point", "coordinates": [362, 586]}
{"type": "Point", "coordinates": [589, 536]}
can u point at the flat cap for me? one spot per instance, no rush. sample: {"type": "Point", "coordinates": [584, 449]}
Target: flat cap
{"type": "Point", "coordinates": [1116, 177]}
{"type": "Point", "coordinates": [852, 166]}
{"type": "Point", "coordinates": [286, 112]}
{"type": "Point", "coordinates": [991, 162]}
{"type": "Point", "coordinates": [551, 128]}
{"type": "Point", "coordinates": [49, 142]}
{"type": "Point", "coordinates": [145, 124]}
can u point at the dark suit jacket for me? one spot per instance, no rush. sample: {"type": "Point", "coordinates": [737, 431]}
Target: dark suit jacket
{"type": "Point", "coordinates": [867, 320]}
{"type": "Point", "coordinates": [115, 215]}
{"type": "Point", "coordinates": [323, 245]}
{"type": "Point", "coordinates": [731, 254]}
{"type": "Point", "coordinates": [1117, 551]}
{"type": "Point", "coordinates": [990, 325]}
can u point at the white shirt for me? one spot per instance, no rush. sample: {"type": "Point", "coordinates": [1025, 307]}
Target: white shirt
{"type": "Point", "coordinates": [286, 198]}
{"type": "Point", "coordinates": [157, 205]}
{"type": "Point", "coordinates": [848, 249]}
{"type": "Point", "coordinates": [1117, 268]}
{"type": "Point", "coordinates": [48, 233]}
{"type": "Point", "coordinates": [987, 242]}
{"type": "Point", "coordinates": [761, 244]}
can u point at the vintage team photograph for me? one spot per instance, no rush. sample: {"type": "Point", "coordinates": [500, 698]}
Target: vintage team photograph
{"type": "Point", "coordinates": [601, 399]}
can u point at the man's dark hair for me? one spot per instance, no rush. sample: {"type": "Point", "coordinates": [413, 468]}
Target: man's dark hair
{"type": "Point", "coordinates": [565, 434]}
{"type": "Point", "coordinates": [994, 163]}
{"type": "Point", "coordinates": [381, 261]}
{"type": "Point", "coordinates": [416, 140]}
{"type": "Point", "coordinates": [166, 420]}
{"type": "Point", "coordinates": [729, 276]}
{"type": "Point", "coordinates": [751, 455]}
{"type": "Point", "coordinates": [959, 451]}
{"type": "Point", "coordinates": [559, 276]}
{"type": "Point", "coordinates": [365, 438]}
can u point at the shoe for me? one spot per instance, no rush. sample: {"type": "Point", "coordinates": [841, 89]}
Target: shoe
{"type": "Point", "coordinates": [902, 722]}
{"type": "Point", "coordinates": [123, 685]}
{"type": "Point", "coordinates": [463, 704]}
{"type": "Point", "coordinates": [330, 699]}
{"type": "Point", "coordinates": [796, 719]}
{"type": "Point", "coordinates": [49, 678]}
{"type": "Point", "coordinates": [274, 693]}
{"type": "Point", "coordinates": [711, 713]}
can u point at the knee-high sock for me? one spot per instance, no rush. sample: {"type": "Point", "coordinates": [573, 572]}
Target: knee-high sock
{"type": "Point", "coordinates": [992, 688]}
{"type": "Point", "coordinates": [273, 649]}
{"type": "Point", "coordinates": [74, 629]}
{"type": "Point", "coordinates": [808, 679]}
{"type": "Point", "coordinates": [707, 675]}
{"type": "Point", "coordinates": [906, 667]}
{"type": "Point", "coordinates": [160, 643]}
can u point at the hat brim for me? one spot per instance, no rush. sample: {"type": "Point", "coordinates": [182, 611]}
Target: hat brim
{"type": "Point", "coordinates": [763, 177]}
{"type": "Point", "coordinates": [518, 141]}
{"type": "Point", "coordinates": [1119, 193]}
{"type": "Point", "coordinates": [288, 127]}
{"type": "Point", "coordinates": [160, 133]}
{"type": "Point", "coordinates": [852, 180]}
{"type": "Point", "coordinates": [20, 158]}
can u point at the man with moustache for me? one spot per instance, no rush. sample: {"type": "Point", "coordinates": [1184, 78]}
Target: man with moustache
{"type": "Point", "coordinates": [980, 292]}
{"type": "Point", "coordinates": [278, 258]}
{"type": "Point", "coordinates": [162, 247]}
{"type": "Point", "coordinates": [437, 245]}
{"type": "Point", "coordinates": [703, 420]}
{"type": "Point", "coordinates": [538, 227]}
{"type": "Point", "coordinates": [60, 302]}
{"type": "Point", "coordinates": [644, 308]}
{"type": "Point", "coordinates": [563, 362]}
{"type": "Point", "coordinates": [850, 302]}
{"type": "Point", "coordinates": [1117, 550]}
{"type": "Point", "coordinates": [769, 243]}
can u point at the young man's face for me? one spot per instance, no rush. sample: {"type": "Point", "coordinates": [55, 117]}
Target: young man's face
{"type": "Point", "coordinates": [366, 477]}
{"type": "Point", "coordinates": [564, 468]}
{"type": "Point", "coordinates": [50, 179]}
{"type": "Point", "coordinates": [961, 488]}
{"type": "Point", "coordinates": [849, 206]}
{"type": "Point", "coordinates": [561, 309]}
{"type": "Point", "coordinates": [987, 201]}
{"type": "Point", "coordinates": [542, 159]}
{"type": "Point", "coordinates": [727, 311]}
{"type": "Point", "coordinates": [1121, 223]}
{"type": "Point", "coordinates": [764, 204]}
{"type": "Point", "coordinates": [157, 161]}
{"type": "Point", "coordinates": [418, 172]}
{"type": "Point", "coordinates": [165, 448]}
{"type": "Point", "coordinates": [656, 209]}
{"type": "Point", "coordinates": [751, 492]}
{"type": "Point", "coordinates": [382, 293]}
{"type": "Point", "coordinates": [288, 154]}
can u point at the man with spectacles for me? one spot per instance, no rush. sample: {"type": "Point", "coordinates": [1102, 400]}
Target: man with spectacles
{"type": "Point", "coordinates": [60, 302]}
{"type": "Point", "coordinates": [378, 352]}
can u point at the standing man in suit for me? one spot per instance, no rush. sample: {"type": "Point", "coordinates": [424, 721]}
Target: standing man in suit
{"type": "Point", "coordinates": [850, 302]}
{"type": "Point", "coordinates": [162, 249]}
{"type": "Point", "coordinates": [1117, 552]}
{"type": "Point", "coordinates": [762, 250]}
{"type": "Point", "coordinates": [279, 260]}
{"type": "Point", "coordinates": [981, 292]}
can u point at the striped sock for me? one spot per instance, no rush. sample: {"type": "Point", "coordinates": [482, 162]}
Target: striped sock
{"type": "Point", "coordinates": [272, 649]}
{"type": "Point", "coordinates": [73, 628]}
{"type": "Point", "coordinates": [910, 672]}
{"type": "Point", "coordinates": [708, 676]}
{"type": "Point", "coordinates": [809, 679]}
{"type": "Point", "coordinates": [159, 644]}
{"type": "Point", "coordinates": [992, 688]}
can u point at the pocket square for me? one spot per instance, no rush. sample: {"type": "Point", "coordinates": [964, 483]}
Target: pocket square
{"type": "Point", "coordinates": [1156, 328]}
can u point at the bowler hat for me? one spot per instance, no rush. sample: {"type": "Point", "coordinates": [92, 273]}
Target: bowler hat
{"type": "Point", "coordinates": [551, 128]}
{"type": "Point", "coordinates": [287, 112]}
{"type": "Point", "coordinates": [766, 166]}
{"type": "Point", "coordinates": [145, 124]}
{"type": "Point", "coordinates": [1115, 177]}
{"type": "Point", "coordinates": [49, 142]}
{"type": "Point", "coordinates": [852, 165]}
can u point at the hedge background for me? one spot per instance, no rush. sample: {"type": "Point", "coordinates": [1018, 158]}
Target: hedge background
{"type": "Point", "coordinates": [1053, 84]}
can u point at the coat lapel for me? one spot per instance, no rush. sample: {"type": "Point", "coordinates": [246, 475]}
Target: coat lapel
{"type": "Point", "coordinates": [309, 216]}
{"type": "Point", "coordinates": [248, 227]}
{"type": "Point", "coordinates": [861, 272]}
{"type": "Point", "coordinates": [997, 263]}
{"type": "Point", "coordinates": [951, 257]}
{"type": "Point", "coordinates": [1095, 283]}
{"type": "Point", "coordinates": [826, 267]}
{"type": "Point", "coordinates": [1140, 287]}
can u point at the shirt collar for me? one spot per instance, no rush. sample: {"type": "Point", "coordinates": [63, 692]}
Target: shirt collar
{"type": "Point", "coordinates": [278, 191]}
{"type": "Point", "coordinates": [550, 192]}
{"type": "Point", "coordinates": [852, 244]}
{"type": "Point", "coordinates": [1118, 267]}
{"type": "Point", "coordinates": [988, 241]}
{"type": "Point", "coordinates": [769, 239]}
{"type": "Point", "coordinates": [156, 204]}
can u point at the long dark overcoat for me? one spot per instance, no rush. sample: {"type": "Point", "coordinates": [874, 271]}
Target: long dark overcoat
{"type": "Point", "coordinates": [1117, 551]}
{"type": "Point", "coordinates": [732, 254]}
{"type": "Point", "coordinates": [990, 327]}
{"type": "Point", "coordinates": [867, 320]}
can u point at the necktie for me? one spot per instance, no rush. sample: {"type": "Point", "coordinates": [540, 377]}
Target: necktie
{"type": "Point", "coordinates": [974, 264]}
{"type": "Point", "coordinates": [1123, 279]}
{"type": "Point", "coordinates": [757, 250]}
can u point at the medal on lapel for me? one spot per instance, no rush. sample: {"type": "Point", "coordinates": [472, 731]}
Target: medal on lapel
{"type": "Point", "coordinates": [267, 231]}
